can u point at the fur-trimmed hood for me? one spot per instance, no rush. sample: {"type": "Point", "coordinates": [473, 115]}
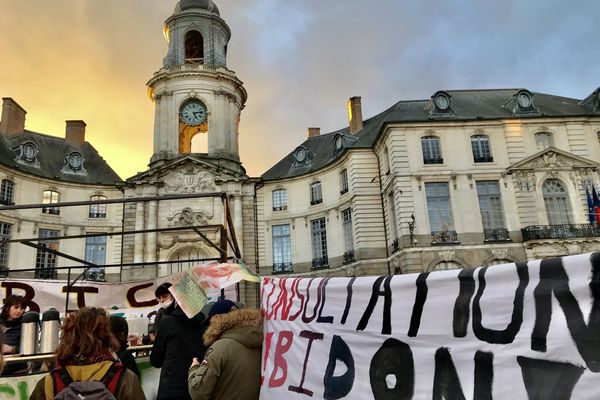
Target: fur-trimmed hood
{"type": "Point", "coordinates": [243, 326]}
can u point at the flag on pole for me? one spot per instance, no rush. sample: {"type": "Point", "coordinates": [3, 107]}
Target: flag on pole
{"type": "Point", "coordinates": [590, 205]}
{"type": "Point", "coordinates": [596, 202]}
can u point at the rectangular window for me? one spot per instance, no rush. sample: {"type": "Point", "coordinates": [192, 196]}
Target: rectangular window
{"type": "Point", "coordinates": [95, 252]}
{"type": "Point", "coordinates": [282, 248]}
{"type": "Point", "coordinates": [50, 197]}
{"type": "Point", "coordinates": [7, 190]}
{"type": "Point", "coordinates": [492, 214]}
{"type": "Point", "coordinates": [45, 262]}
{"type": "Point", "coordinates": [316, 195]}
{"type": "Point", "coordinates": [279, 200]}
{"type": "Point", "coordinates": [432, 153]}
{"type": "Point", "coordinates": [97, 210]}
{"type": "Point", "coordinates": [5, 235]}
{"type": "Point", "coordinates": [319, 243]}
{"type": "Point", "coordinates": [344, 181]}
{"type": "Point", "coordinates": [438, 207]}
{"type": "Point", "coordinates": [348, 241]}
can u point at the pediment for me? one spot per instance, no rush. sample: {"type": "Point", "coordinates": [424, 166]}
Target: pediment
{"type": "Point", "coordinates": [553, 159]}
{"type": "Point", "coordinates": [185, 167]}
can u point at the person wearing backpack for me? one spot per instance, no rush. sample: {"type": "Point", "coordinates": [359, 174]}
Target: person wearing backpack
{"type": "Point", "coordinates": [86, 366]}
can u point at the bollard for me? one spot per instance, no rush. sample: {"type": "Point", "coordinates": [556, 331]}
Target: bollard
{"type": "Point", "coordinates": [50, 331]}
{"type": "Point", "coordinates": [30, 324]}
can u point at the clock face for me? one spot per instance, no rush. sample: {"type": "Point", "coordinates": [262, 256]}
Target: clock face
{"type": "Point", "coordinates": [524, 100]}
{"type": "Point", "coordinates": [193, 113]}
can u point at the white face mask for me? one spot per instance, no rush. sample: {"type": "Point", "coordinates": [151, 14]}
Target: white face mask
{"type": "Point", "coordinates": [166, 304]}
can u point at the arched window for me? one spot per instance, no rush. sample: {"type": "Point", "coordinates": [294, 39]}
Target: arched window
{"type": "Point", "coordinates": [446, 265]}
{"type": "Point", "coordinates": [556, 199]}
{"type": "Point", "coordinates": [279, 200]}
{"type": "Point", "coordinates": [480, 144]}
{"type": "Point", "coordinates": [194, 48]}
{"type": "Point", "coordinates": [97, 210]}
{"type": "Point", "coordinates": [182, 259]}
{"type": "Point", "coordinates": [432, 152]}
{"type": "Point", "coordinates": [543, 140]}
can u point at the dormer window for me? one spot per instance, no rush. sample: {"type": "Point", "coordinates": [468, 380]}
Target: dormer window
{"type": "Point", "coordinates": [523, 102]}
{"type": "Point", "coordinates": [74, 164]}
{"type": "Point", "coordinates": [302, 158]}
{"type": "Point", "coordinates": [440, 104]}
{"type": "Point", "coordinates": [592, 101]}
{"type": "Point", "coordinates": [27, 153]}
{"type": "Point", "coordinates": [194, 48]}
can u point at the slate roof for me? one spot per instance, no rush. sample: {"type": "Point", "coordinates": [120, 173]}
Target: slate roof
{"type": "Point", "coordinates": [51, 156]}
{"type": "Point", "coordinates": [467, 105]}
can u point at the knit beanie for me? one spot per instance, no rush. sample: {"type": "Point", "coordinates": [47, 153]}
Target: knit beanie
{"type": "Point", "coordinates": [221, 307]}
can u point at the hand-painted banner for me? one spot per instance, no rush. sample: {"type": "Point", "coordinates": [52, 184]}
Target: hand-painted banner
{"type": "Point", "coordinates": [516, 331]}
{"type": "Point", "coordinates": [133, 299]}
{"type": "Point", "coordinates": [190, 288]}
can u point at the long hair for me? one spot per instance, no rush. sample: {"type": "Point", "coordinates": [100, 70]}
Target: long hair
{"type": "Point", "coordinates": [86, 336]}
{"type": "Point", "coordinates": [10, 301]}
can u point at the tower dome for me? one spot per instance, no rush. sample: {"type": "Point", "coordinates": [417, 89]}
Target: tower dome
{"type": "Point", "coordinates": [202, 4]}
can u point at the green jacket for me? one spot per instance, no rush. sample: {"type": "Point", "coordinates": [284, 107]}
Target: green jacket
{"type": "Point", "coordinates": [231, 365]}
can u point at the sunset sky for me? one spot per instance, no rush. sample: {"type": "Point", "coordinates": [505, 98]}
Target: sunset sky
{"type": "Point", "coordinates": [300, 61]}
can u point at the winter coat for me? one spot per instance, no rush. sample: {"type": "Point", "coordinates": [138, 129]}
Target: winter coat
{"type": "Point", "coordinates": [11, 332]}
{"type": "Point", "coordinates": [129, 388]}
{"type": "Point", "coordinates": [127, 359]}
{"type": "Point", "coordinates": [231, 366]}
{"type": "Point", "coordinates": [177, 342]}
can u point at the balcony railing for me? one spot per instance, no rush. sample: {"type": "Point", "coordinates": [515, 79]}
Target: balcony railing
{"type": "Point", "coordinates": [483, 159]}
{"type": "Point", "coordinates": [45, 273]}
{"type": "Point", "coordinates": [280, 268]}
{"type": "Point", "coordinates": [95, 275]}
{"type": "Point", "coordinates": [565, 231]}
{"type": "Point", "coordinates": [496, 235]}
{"type": "Point", "coordinates": [349, 257]}
{"type": "Point", "coordinates": [444, 237]}
{"type": "Point", "coordinates": [316, 201]}
{"type": "Point", "coordinates": [320, 263]}
{"type": "Point", "coordinates": [51, 210]}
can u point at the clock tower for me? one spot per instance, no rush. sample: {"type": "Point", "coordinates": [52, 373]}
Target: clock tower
{"type": "Point", "coordinates": [194, 92]}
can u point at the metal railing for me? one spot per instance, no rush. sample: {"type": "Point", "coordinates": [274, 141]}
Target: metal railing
{"type": "Point", "coordinates": [320, 263]}
{"type": "Point", "coordinates": [496, 235]}
{"type": "Point", "coordinates": [280, 268]}
{"type": "Point", "coordinates": [349, 257]}
{"type": "Point", "coordinates": [444, 237]}
{"type": "Point", "coordinates": [564, 231]}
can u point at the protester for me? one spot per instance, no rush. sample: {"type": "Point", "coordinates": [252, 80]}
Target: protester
{"type": "Point", "coordinates": [231, 366]}
{"type": "Point", "coordinates": [166, 301]}
{"type": "Point", "coordinates": [85, 354]}
{"type": "Point", "coordinates": [120, 330]}
{"type": "Point", "coordinates": [178, 340]}
{"type": "Point", "coordinates": [10, 326]}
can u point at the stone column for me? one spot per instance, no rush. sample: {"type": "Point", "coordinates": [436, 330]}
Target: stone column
{"type": "Point", "coordinates": [237, 221]}
{"type": "Point", "coordinates": [151, 236]}
{"type": "Point", "coordinates": [138, 244]}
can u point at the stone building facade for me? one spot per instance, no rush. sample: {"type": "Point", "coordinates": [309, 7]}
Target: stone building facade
{"type": "Point", "coordinates": [461, 179]}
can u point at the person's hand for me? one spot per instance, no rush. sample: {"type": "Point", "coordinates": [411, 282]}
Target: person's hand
{"type": "Point", "coordinates": [195, 362]}
{"type": "Point", "coordinates": [134, 340]}
{"type": "Point", "coordinates": [7, 349]}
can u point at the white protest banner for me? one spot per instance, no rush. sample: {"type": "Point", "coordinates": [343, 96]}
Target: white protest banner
{"type": "Point", "coordinates": [516, 331]}
{"type": "Point", "coordinates": [133, 299]}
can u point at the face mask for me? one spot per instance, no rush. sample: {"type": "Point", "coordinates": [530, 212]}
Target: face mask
{"type": "Point", "coordinates": [166, 304]}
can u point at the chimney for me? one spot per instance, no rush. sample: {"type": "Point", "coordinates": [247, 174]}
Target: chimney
{"type": "Point", "coordinates": [312, 132]}
{"type": "Point", "coordinates": [13, 117]}
{"type": "Point", "coordinates": [75, 133]}
{"type": "Point", "coordinates": [355, 114]}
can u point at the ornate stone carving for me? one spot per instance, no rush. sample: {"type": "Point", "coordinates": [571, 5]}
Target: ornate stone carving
{"type": "Point", "coordinates": [166, 242]}
{"type": "Point", "coordinates": [500, 253]}
{"type": "Point", "coordinates": [188, 217]}
{"type": "Point", "coordinates": [447, 255]}
{"type": "Point", "coordinates": [190, 180]}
